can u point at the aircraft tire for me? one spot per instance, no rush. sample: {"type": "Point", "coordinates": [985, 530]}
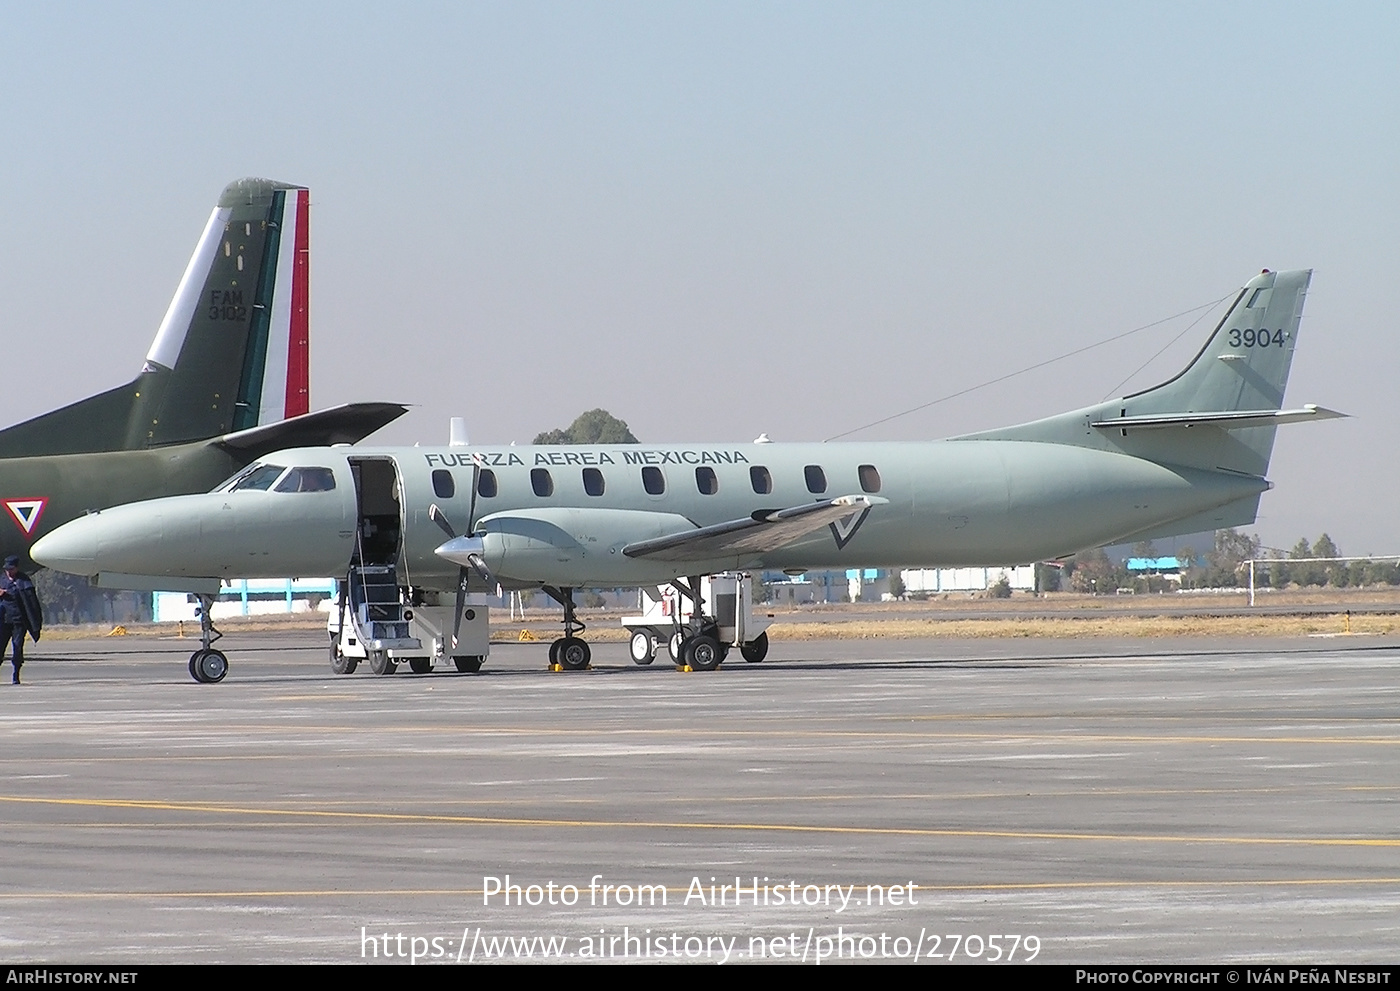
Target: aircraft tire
{"type": "Point", "coordinates": [756, 649]}
{"type": "Point", "coordinates": [676, 647]}
{"type": "Point", "coordinates": [211, 666]}
{"type": "Point", "coordinates": [703, 653]}
{"type": "Point", "coordinates": [420, 665]}
{"type": "Point", "coordinates": [643, 647]}
{"type": "Point", "coordinates": [554, 651]}
{"type": "Point", "coordinates": [467, 665]}
{"type": "Point", "coordinates": [341, 664]}
{"type": "Point", "coordinates": [380, 663]}
{"type": "Point", "coordinates": [194, 666]}
{"type": "Point", "coordinates": [574, 654]}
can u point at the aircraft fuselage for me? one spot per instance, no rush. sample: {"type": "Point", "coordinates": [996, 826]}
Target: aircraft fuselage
{"type": "Point", "coordinates": [563, 515]}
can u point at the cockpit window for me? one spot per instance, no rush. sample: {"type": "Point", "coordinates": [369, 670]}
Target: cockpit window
{"type": "Point", "coordinates": [307, 480]}
{"type": "Point", "coordinates": [259, 479]}
{"type": "Point", "coordinates": [227, 484]}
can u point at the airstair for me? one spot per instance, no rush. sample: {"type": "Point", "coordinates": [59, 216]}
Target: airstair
{"type": "Point", "coordinates": [377, 610]}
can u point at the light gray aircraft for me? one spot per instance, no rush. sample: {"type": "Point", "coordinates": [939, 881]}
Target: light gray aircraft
{"type": "Point", "coordinates": [1188, 455]}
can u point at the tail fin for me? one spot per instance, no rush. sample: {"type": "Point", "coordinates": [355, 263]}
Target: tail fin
{"type": "Point", "coordinates": [1244, 364]}
{"type": "Point", "coordinates": [232, 351]}
{"type": "Point", "coordinates": [1221, 411]}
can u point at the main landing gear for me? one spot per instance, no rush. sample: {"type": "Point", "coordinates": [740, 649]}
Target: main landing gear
{"type": "Point", "coordinates": [569, 652]}
{"type": "Point", "coordinates": [207, 665]}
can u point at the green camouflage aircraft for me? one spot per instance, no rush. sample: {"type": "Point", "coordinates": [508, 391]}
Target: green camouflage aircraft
{"type": "Point", "coordinates": [1188, 455]}
{"type": "Point", "coordinates": [224, 382]}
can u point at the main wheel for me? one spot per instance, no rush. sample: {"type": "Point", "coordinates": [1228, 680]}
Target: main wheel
{"type": "Point", "coordinates": [420, 665]}
{"type": "Point", "coordinates": [756, 649]}
{"type": "Point", "coordinates": [674, 645]}
{"type": "Point", "coordinates": [194, 666]}
{"type": "Point", "coordinates": [643, 647]}
{"type": "Point", "coordinates": [554, 651]}
{"type": "Point", "coordinates": [380, 662]}
{"type": "Point", "coordinates": [574, 654]}
{"type": "Point", "coordinates": [210, 666]}
{"type": "Point", "coordinates": [467, 665]}
{"type": "Point", "coordinates": [703, 653]}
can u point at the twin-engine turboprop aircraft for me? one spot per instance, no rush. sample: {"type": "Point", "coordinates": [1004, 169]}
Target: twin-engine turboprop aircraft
{"type": "Point", "coordinates": [224, 383]}
{"type": "Point", "coordinates": [1188, 455]}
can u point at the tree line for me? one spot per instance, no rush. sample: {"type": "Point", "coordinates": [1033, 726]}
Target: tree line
{"type": "Point", "coordinates": [1223, 566]}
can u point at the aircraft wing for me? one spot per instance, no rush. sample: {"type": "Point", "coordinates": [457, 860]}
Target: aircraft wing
{"type": "Point", "coordinates": [762, 531]}
{"type": "Point", "coordinates": [345, 424]}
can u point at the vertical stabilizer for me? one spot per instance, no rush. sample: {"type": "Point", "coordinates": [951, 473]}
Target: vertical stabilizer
{"type": "Point", "coordinates": [231, 352]}
{"type": "Point", "coordinates": [1199, 417]}
{"type": "Point", "coordinates": [1244, 365]}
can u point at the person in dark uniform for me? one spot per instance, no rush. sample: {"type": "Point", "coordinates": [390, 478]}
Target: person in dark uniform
{"type": "Point", "coordinates": [19, 612]}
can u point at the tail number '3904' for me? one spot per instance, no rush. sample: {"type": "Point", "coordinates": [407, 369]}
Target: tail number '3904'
{"type": "Point", "coordinates": [1260, 338]}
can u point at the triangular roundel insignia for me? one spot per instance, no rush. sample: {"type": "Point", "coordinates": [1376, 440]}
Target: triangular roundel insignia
{"type": "Point", "coordinates": [845, 528]}
{"type": "Point", "coordinates": [26, 512]}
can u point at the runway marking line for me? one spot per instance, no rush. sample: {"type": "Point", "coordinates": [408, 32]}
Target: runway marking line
{"type": "Point", "coordinates": [294, 806]}
{"type": "Point", "coordinates": [1006, 737]}
{"type": "Point", "coordinates": [404, 817]}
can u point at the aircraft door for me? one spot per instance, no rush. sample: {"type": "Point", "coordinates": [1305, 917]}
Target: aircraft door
{"type": "Point", "coordinates": [379, 512]}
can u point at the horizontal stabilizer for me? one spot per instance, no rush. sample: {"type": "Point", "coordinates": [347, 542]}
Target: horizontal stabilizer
{"type": "Point", "coordinates": [346, 424]}
{"type": "Point", "coordinates": [765, 530]}
{"type": "Point", "coordinates": [1228, 420]}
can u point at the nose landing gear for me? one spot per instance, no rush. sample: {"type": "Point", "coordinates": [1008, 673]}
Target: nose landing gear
{"type": "Point", "coordinates": [207, 665]}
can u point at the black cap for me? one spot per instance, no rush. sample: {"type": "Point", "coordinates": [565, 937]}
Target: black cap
{"type": "Point", "coordinates": [12, 561]}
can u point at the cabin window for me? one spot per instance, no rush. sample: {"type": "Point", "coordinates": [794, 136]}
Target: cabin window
{"type": "Point", "coordinates": [593, 481]}
{"type": "Point", "coordinates": [816, 479]}
{"type": "Point", "coordinates": [260, 479]}
{"type": "Point", "coordinates": [486, 484]}
{"type": "Point", "coordinates": [444, 486]}
{"type": "Point", "coordinates": [869, 478]}
{"type": "Point", "coordinates": [542, 482]}
{"type": "Point", "coordinates": [706, 480]}
{"type": "Point", "coordinates": [307, 480]}
{"type": "Point", "coordinates": [653, 481]}
{"type": "Point", "coordinates": [762, 479]}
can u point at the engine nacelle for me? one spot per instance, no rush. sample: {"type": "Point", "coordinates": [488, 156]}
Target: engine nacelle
{"type": "Point", "coordinates": [569, 547]}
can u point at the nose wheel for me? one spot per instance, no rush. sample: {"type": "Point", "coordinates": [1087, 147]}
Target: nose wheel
{"type": "Point", "coordinates": [207, 665]}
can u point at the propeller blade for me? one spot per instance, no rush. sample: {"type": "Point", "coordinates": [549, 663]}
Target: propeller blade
{"type": "Point", "coordinates": [479, 563]}
{"type": "Point", "coordinates": [462, 578]}
{"type": "Point", "coordinates": [440, 518]}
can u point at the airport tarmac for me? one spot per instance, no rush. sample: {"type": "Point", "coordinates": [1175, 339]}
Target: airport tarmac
{"type": "Point", "coordinates": [1118, 801]}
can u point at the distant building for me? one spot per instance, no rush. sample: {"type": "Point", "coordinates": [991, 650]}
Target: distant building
{"type": "Point", "coordinates": [249, 597]}
{"type": "Point", "coordinates": [931, 581]}
{"type": "Point", "coordinates": [1202, 543]}
{"type": "Point", "coordinates": [823, 586]}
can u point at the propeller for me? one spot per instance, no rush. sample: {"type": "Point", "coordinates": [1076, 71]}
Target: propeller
{"type": "Point", "coordinates": [466, 553]}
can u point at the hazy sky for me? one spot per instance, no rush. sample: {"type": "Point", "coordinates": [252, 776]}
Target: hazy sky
{"type": "Point", "coordinates": [717, 220]}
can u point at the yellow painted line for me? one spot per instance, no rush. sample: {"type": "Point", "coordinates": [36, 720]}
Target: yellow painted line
{"type": "Point", "coordinates": [681, 890]}
{"type": "Point", "coordinates": [1008, 736]}
{"type": "Point", "coordinates": [405, 817]}
{"type": "Point", "coordinates": [294, 805]}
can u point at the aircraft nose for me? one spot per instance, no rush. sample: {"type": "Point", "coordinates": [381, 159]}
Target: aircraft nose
{"type": "Point", "coordinates": [71, 548]}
